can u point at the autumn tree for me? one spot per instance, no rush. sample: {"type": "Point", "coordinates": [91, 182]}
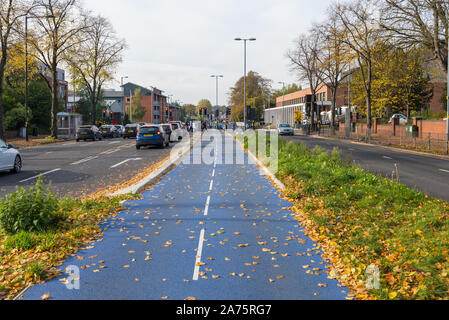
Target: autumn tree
{"type": "Point", "coordinates": [361, 31]}
{"type": "Point", "coordinates": [95, 58]}
{"type": "Point", "coordinates": [290, 88]}
{"type": "Point", "coordinates": [332, 57]}
{"type": "Point", "coordinates": [256, 86]}
{"type": "Point", "coordinates": [419, 23]}
{"type": "Point", "coordinates": [137, 110]}
{"type": "Point", "coordinates": [10, 13]}
{"type": "Point", "coordinates": [190, 110]}
{"type": "Point", "coordinates": [59, 24]}
{"type": "Point", "coordinates": [203, 103]}
{"type": "Point", "coordinates": [305, 63]}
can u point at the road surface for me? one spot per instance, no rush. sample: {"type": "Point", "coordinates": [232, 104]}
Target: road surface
{"type": "Point", "coordinates": [76, 169]}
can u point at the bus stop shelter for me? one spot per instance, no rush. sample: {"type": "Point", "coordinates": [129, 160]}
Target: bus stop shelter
{"type": "Point", "coordinates": [68, 123]}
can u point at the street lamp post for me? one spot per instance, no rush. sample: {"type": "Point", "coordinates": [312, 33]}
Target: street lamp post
{"type": "Point", "coordinates": [26, 67]}
{"type": "Point", "coordinates": [123, 98]}
{"type": "Point", "coordinates": [244, 77]}
{"type": "Point", "coordinates": [216, 88]}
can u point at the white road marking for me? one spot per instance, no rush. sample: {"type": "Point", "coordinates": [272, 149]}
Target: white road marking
{"type": "Point", "coordinates": [42, 174]}
{"type": "Point", "coordinates": [125, 161]}
{"type": "Point", "coordinates": [199, 253]}
{"type": "Point", "coordinates": [68, 144]}
{"type": "Point", "coordinates": [206, 209]}
{"type": "Point", "coordinates": [114, 142]}
{"type": "Point", "coordinates": [211, 185]}
{"type": "Point", "coordinates": [444, 170]}
{"type": "Point", "coordinates": [84, 160]}
{"type": "Point", "coordinates": [213, 173]}
{"type": "Point", "coordinates": [385, 157]}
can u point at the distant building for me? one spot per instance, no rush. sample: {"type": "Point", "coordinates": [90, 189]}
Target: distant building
{"type": "Point", "coordinates": [157, 109]}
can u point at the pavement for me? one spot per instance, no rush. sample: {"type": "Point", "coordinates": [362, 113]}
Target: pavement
{"type": "Point", "coordinates": [76, 169]}
{"type": "Point", "coordinates": [423, 173]}
{"type": "Point", "coordinates": [207, 230]}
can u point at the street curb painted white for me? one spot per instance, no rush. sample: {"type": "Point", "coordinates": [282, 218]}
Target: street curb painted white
{"type": "Point", "coordinates": [161, 170]}
{"type": "Point", "coordinates": [262, 166]}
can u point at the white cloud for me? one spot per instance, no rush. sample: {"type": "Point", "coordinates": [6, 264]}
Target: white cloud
{"type": "Point", "coordinates": [176, 45]}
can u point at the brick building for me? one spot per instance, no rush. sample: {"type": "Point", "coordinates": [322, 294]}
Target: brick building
{"type": "Point", "coordinates": [157, 108]}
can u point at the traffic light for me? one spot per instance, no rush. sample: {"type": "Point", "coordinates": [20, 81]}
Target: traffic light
{"type": "Point", "coordinates": [104, 113]}
{"type": "Point", "coordinates": [111, 114]}
{"type": "Point", "coordinates": [201, 111]}
{"type": "Point", "coordinates": [205, 111]}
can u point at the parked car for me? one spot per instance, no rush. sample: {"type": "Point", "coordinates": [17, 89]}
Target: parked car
{"type": "Point", "coordinates": [152, 135]}
{"type": "Point", "coordinates": [402, 119]}
{"type": "Point", "coordinates": [170, 131]}
{"type": "Point", "coordinates": [130, 131]}
{"type": "Point", "coordinates": [10, 158]}
{"type": "Point", "coordinates": [109, 131]}
{"type": "Point", "coordinates": [176, 130]}
{"type": "Point", "coordinates": [120, 129]}
{"type": "Point", "coordinates": [88, 133]}
{"type": "Point", "coordinates": [285, 129]}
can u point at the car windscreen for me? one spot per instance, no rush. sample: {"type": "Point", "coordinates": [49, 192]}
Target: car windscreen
{"type": "Point", "coordinates": [84, 129]}
{"type": "Point", "coordinates": [149, 130]}
{"type": "Point", "coordinates": [175, 126]}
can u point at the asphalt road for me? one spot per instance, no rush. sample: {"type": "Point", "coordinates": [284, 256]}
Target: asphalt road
{"type": "Point", "coordinates": [210, 231]}
{"type": "Point", "coordinates": [426, 174]}
{"type": "Point", "coordinates": [76, 169]}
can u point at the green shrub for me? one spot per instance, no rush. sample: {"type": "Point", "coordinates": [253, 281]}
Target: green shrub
{"type": "Point", "coordinates": [22, 241]}
{"type": "Point", "coordinates": [33, 210]}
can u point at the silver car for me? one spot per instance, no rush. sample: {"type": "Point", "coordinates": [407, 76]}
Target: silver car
{"type": "Point", "coordinates": [285, 129]}
{"type": "Point", "coordinates": [10, 158]}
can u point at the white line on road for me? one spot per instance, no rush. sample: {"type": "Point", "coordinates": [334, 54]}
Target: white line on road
{"type": "Point", "coordinates": [385, 157]}
{"type": "Point", "coordinates": [42, 174]}
{"type": "Point", "coordinates": [199, 253]}
{"type": "Point", "coordinates": [213, 173]}
{"type": "Point", "coordinates": [114, 142]}
{"type": "Point", "coordinates": [444, 170]}
{"type": "Point", "coordinates": [84, 160]}
{"type": "Point", "coordinates": [206, 210]}
{"type": "Point", "coordinates": [211, 185]}
{"type": "Point", "coordinates": [125, 161]}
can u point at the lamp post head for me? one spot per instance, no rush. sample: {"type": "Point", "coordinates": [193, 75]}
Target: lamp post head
{"type": "Point", "coordinates": [238, 39]}
{"type": "Point", "coordinates": [252, 39]}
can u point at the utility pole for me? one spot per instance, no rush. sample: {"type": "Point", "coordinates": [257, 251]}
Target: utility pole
{"type": "Point", "coordinates": [447, 95]}
{"type": "Point", "coordinates": [283, 101]}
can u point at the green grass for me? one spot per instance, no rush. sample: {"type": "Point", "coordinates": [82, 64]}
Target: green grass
{"type": "Point", "coordinates": [371, 220]}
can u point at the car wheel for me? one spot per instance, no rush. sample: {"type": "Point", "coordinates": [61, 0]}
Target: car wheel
{"type": "Point", "coordinates": [17, 165]}
{"type": "Point", "coordinates": [138, 147]}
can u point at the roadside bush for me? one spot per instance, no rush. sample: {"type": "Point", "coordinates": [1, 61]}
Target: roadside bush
{"type": "Point", "coordinates": [32, 210]}
{"type": "Point", "coordinates": [22, 241]}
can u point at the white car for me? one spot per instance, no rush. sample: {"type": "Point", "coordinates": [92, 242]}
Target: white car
{"type": "Point", "coordinates": [402, 119]}
{"type": "Point", "coordinates": [286, 129]}
{"type": "Point", "coordinates": [10, 158]}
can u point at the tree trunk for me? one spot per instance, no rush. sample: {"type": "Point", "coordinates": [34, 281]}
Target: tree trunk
{"type": "Point", "coordinates": [54, 101]}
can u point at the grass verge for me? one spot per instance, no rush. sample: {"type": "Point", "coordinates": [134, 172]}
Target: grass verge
{"type": "Point", "coordinates": [360, 220]}
{"type": "Point", "coordinates": [28, 258]}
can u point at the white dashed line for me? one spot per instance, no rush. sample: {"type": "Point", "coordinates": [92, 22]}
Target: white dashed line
{"type": "Point", "coordinates": [196, 272]}
{"type": "Point", "coordinates": [443, 170]}
{"type": "Point", "coordinates": [206, 210]}
{"type": "Point", "coordinates": [125, 161]}
{"type": "Point", "coordinates": [211, 185]}
{"type": "Point", "coordinates": [84, 160]}
{"type": "Point", "coordinates": [42, 174]}
{"type": "Point", "coordinates": [385, 157]}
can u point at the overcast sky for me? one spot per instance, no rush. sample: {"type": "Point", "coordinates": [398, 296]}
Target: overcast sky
{"type": "Point", "coordinates": [176, 45]}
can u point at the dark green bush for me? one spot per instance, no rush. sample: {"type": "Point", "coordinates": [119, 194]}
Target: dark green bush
{"type": "Point", "coordinates": [32, 210]}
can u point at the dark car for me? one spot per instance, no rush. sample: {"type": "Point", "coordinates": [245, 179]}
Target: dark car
{"type": "Point", "coordinates": [130, 131]}
{"type": "Point", "coordinates": [109, 131]}
{"type": "Point", "coordinates": [88, 133]}
{"type": "Point", "coordinates": [152, 135]}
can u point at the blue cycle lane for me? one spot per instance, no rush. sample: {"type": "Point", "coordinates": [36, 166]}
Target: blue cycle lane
{"type": "Point", "coordinates": [208, 231]}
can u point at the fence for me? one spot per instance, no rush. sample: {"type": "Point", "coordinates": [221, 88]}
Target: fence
{"type": "Point", "coordinates": [426, 141]}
